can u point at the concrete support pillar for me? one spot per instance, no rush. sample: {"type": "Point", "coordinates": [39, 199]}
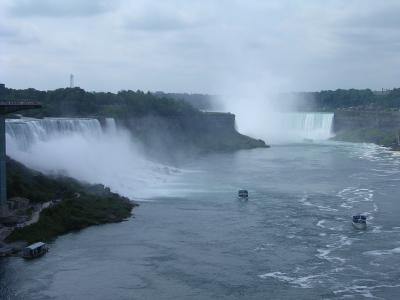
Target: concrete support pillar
{"type": "Point", "coordinates": [7, 107]}
{"type": "Point", "coordinates": [3, 181]}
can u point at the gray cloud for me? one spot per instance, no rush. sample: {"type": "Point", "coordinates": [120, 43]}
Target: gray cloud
{"type": "Point", "coordinates": [201, 46]}
{"type": "Point", "coordinates": [158, 22]}
{"type": "Point", "coordinates": [58, 8]}
{"type": "Point", "coordinates": [7, 32]}
{"type": "Point", "coordinates": [384, 16]}
{"type": "Point", "coordinates": [12, 35]}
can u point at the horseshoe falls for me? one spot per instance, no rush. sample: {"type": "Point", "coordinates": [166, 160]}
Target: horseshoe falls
{"type": "Point", "coordinates": [295, 127]}
{"type": "Point", "coordinates": [314, 126]}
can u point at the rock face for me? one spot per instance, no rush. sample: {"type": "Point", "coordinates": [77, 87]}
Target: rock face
{"type": "Point", "coordinates": [202, 132]}
{"type": "Point", "coordinates": [368, 126]}
{"type": "Point", "coordinates": [363, 119]}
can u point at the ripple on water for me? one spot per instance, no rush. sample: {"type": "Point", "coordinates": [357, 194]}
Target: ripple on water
{"type": "Point", "coordinates": [383, 252]}
{"type": "Point", "coordinates": [364, 290]}
{"type": "Point", "coordinates": [340, 252]}
{"type": "Point", "coordinates": [305, 200]}
{"type": "Point", "coordinates": [304, 282]}
{"type": "Point", "coordinates": [320, 223]}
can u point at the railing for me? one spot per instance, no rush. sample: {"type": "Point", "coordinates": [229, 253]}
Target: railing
{"type": "Point", "coordinates": [19, 103]}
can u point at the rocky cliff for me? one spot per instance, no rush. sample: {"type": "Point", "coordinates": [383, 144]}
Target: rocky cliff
{"type": "Point", "coordinates": [197, 133]}
{"type": "Point", "coordinates": [371, 126]}
{"type": "Point", "coordinates": [356, 119]}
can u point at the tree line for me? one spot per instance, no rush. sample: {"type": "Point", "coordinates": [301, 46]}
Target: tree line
{"type": "Point", "coordinates": [72, 102]}
{"type": "Point", "coordinates": [353, 98]}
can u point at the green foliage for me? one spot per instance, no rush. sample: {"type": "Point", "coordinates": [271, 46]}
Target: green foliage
{"type": "Point", "coordinates": [81, 205]}
{"type": "Point", "coordinates": [75, 102]}
{"type": "Point", "coordinates": [23, 182]}
{"type": "Point", "coordinates": [74, 214]}
{"type": "Point", "coordinates": [368, 135]}
{"type": "Point", "coordinates": [352, 98]}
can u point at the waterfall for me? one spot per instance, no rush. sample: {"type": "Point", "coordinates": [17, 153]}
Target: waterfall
{"type": "Point", "coordinates": [287, 127]}
{"type": "Point", "coordinates": [83, 149]}
{"type": "Point", "coordinates": [111, 126]}
{"type": "Point", "coordinates": [26, 131]}
{"type": "Point", "coordinates": [314, 126]}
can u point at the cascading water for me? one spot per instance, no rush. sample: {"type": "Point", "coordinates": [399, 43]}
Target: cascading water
{"type": "Point", "coordinates": [111, 126]}
{"type": "Point", "coordinates": [81, 148]}
{"type": "Point", "coordinates": [26, 132]}
{"type": "Point", "coordinates": [297, 127]}
{"type": "Point", "coordinates": [314, 126]}
{"type": "Point", "coordinates": [280, 127]}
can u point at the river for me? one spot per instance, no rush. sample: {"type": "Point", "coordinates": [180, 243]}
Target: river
{"type": "Point", "coordinates": [292, 239]}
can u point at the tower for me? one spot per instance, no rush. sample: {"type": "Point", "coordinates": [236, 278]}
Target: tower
{"type": "Point", "coordinates": [71, 81]}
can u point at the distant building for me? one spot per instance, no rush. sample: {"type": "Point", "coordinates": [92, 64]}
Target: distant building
{"type": "Point", "coordinates": [71, 81]}
{"type": "Point", "coordinates": [384, 92]}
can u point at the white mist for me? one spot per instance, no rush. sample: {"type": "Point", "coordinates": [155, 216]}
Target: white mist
{"type": "Point", "coordinates": [88, 153]}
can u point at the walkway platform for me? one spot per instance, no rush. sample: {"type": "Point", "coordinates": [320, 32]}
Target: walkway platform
{"type": "Point", "coordinates": [7, 107]}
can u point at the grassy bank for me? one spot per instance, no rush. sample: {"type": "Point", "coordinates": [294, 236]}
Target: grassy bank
{"type": "Point", "coordinates": [78, 205]}
{"type": "Point", "coordinates": [74, 214]}
{"type": "Point", "coordinates": [368, 135]}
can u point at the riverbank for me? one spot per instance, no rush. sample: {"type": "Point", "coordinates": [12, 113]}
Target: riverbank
{"type": "Point", "coordinates": [377, 126]}
{"type": "Point", "coordinates": [74, 214]}
{"type": "Point", "coordinates": [74, 206]}
{"type": "Point", "coordinates": [378, 137]}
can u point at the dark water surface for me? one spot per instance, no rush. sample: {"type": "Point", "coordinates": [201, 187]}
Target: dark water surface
{"type": "Point", "coordinates": [292, 240]}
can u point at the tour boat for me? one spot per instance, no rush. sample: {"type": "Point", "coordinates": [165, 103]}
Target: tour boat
{"type": "Point", "coordinates": [359, 221]}
{"type": "Point", "coordinates": [243, 194]}
{"type": "Point", "coordinates": [35, 250]}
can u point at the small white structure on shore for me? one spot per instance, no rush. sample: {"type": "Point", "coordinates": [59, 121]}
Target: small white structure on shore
{"type": "Point", "coordinates": [35, 250]}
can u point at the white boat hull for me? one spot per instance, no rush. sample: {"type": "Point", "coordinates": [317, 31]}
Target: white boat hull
{"type": "Point", "coordinates": [359, 225]}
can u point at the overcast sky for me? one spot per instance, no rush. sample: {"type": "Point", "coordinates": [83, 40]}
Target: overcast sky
{"type": "Point", "coordinates": [200, 45]}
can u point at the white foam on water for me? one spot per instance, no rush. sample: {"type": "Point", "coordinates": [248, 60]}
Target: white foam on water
{"type": "Point", "coordinates": [372, 152]}
{"type": "Point", "coordinates": [383, 252]}
{"type": "Point", "coordinates": [376, 229]}
{"type": "Point", "coordinates": [375, 264]}
{"type": "Point", "coordinates": [346, 205]}
{"type": "Point", "coordinates": [355, 197]}
{"type": "Point", "coordinates": [363, 290]}
{"type": "Point", "coordinates": [304, 200]}
{"type": "Point", "coordinates": [304, 282]}
{"type": "Point", "coordinates": [262, 247]}
{"type": "Point", "coordinates": [325, 254]}
{"type": "Point", "coordinates": [345, 241]}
